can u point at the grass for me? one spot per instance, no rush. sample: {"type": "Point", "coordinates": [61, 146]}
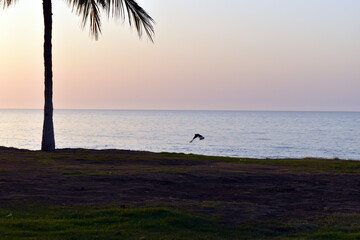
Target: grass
{"type": "Point", "coordinates": [160, 221]}
{"type": "Point", "coordinates": [310, 165]}
{"type": "Point", "coordinates": [84, 158]}
{"type": "Point", "coordinates": [90, 223]}
{"type": "Point", "coordinates": [87, 157]}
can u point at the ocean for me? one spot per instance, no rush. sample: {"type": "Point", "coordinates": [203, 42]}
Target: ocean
{"type": "Point", "coordinates": [251, 134]}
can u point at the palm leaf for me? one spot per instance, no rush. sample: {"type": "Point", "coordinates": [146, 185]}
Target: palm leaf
{"type": "Point", "coordinates": [7, 3]}
{"type": "Point", "coordinates": [136, 15]}
{"type": "Point", "coordinates": [89, 11]}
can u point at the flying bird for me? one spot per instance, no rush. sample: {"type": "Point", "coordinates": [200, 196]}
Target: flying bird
{"type": "Point", "coordinates": [197, 136]}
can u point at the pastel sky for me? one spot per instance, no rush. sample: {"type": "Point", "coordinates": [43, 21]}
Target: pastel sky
{"type": "Point", "coordinates": [207, 55]}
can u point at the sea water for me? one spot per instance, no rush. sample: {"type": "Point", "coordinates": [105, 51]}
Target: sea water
{"type": "Point", "coordinates": [253, 134]}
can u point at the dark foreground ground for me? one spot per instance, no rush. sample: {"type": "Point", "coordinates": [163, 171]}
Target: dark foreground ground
{"type": "Point", "coordinates": [236, 190]}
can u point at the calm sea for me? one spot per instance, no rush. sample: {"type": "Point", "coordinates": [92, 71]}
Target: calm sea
{"type": "Point", "coordinates": [227, 133]}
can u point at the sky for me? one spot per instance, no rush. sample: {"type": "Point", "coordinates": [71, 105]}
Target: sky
{"type": "Point", "coordinates": [298, 55]}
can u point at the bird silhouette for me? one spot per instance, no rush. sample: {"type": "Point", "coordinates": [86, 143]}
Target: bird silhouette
{"type": "Point", "coordinates": [197, 136]}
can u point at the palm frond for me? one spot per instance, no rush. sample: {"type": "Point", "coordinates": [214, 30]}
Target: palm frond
{"type": "Point", "coordinates": [89, 11]}
{"type": "Point", "coordinates": [136, 15]}
{"type": "Point", "coordinates": [7, 3]}
{"type": "Point", "coordinates": [140, 18]}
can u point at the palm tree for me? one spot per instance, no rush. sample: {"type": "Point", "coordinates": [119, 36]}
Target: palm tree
{"type": "Point", "coordinates": [89, 10]}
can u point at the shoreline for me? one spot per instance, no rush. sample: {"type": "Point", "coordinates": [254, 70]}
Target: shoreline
{"type": "Point", "coordinates": [179, 153]}
{"type": "Point", "coordinates": [238, 134]}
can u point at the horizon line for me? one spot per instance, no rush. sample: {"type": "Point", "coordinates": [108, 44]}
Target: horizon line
{"type": "Point", "coordinates": [209, 110]}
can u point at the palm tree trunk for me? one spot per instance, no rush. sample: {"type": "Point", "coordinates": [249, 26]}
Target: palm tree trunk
{"type": "Point", "coordinates": [48, 138]}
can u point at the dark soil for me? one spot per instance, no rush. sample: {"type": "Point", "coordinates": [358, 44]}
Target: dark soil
{"type": "Point", "coordinates": [235, 191]}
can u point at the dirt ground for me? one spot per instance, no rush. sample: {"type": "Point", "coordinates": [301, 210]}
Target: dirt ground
{"type": "Point", "coordinates": [238, 192]}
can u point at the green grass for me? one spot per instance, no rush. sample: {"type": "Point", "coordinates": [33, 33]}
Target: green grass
{"type": "Point", "coordinates": [39, 222]}
{"type": "Point", "coordinates": [90, 157]}
{"type": "Point", "coordinates": [106, 223]}
{"type": "Point", "coordinates": [90, 223]}
{"type": "Point", "coordinates": [310, 165]}
{"type": "Point", "coordinates": [137, 162]}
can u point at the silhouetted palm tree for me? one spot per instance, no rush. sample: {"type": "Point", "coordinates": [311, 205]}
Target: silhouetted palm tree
{"type": "Point", "coordinates": [89, 10]}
